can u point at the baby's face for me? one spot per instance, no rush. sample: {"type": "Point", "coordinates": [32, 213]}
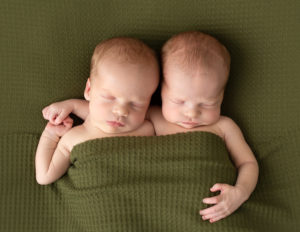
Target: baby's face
{"type": "Point", "coordinates": [192, 100]}
{"type": "Point", "coordinates": [120, 95]}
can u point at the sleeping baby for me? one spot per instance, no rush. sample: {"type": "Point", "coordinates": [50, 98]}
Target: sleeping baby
{"type": "Point", "coordinates": [195, 71]}
{"type": "Point", "coordinates": [124, 74]}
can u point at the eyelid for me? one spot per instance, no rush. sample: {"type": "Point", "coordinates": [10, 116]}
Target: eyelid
{"type": "Point", "coordinates": [137, 104]}
{"type": "Point", "coordinates": [107, 97]}
{"type": "Point", "coordinates": [177, 101]}
{"type": "Point", "coordinates": [208, 105]}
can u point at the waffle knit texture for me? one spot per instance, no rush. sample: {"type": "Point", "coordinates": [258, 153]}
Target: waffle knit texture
{"type": "Point", "coordinates": [45, 51]}
{"type": "Point", "coordinates": [146, 184]}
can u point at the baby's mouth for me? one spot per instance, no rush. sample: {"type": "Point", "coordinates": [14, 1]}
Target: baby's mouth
{"type": "Point", "coordinates": [115, 123]}
{"type": "Point", "coordinates": [190, 123]}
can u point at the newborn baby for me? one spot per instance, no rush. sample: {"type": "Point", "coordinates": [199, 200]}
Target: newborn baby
{"type": "Point", "coordinates": [195, 72]}
{"type": "Point", "coordinates": [124, 75]}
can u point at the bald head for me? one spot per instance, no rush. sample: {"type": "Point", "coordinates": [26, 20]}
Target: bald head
{"type": "Point", "coordinates": [192, 52]}
{"type": "Point", "coordinates": [123, 50]}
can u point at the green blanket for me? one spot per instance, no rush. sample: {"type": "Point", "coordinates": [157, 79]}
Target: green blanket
{"type": "Point", "coordinates": [144, 183]}
{"type": "Point", "coordinates": [147, 184]}
{"type": "Point", "coordinates": [46, 48]}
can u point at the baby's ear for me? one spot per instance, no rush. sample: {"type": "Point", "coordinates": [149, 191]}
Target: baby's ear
{"type": "Point", "coordinates": [87, 90]}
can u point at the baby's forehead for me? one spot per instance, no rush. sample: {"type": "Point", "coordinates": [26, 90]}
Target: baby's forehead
{"type": "Point", "coordinates": [207, 94]}
{"type": "Point", "coordinates": [178, 81]}
{"type": "Point", "coordinates": [193, 49]}
{"type": "Point", "coordinates": [197, 63]}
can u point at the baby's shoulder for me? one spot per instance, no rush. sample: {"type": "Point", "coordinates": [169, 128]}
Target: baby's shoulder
{"type": "Point", "coordinates": [225, 121]}
{"type": "Point", "coordinates": [74, 136]}
{"type": "Point", "coordinates": [146, 129]}
{"type": "Point", "coordinates": [227, 125]}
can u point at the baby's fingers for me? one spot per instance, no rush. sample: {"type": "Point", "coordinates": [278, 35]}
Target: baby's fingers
{"type": "Point", "coordinates": [59, 118]}
{"type": "Point", "coordinates": [211, 200]}
{"type": "Point", "coordinates": [210, 210]}
{"type": "Point", "coordinates": [213, 216]}
{"type": "Point", "coordinates": [68, 121]}
{"type": "Point", "coordinates": [50, 115]}
{"type": "Point", "coordinates": [219, 187]}
{"type": "Point", "coordinates": [45, 113]}
{"type": "Point", "coordinates": [217, 217]}
{"type": "Point", "coordinates": [52, 119]}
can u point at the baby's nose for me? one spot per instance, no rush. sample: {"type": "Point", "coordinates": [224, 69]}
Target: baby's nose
{"type": "Point", "coordinates": [191, 113]}
{"type": "Point", "coordinates": [120, 111]}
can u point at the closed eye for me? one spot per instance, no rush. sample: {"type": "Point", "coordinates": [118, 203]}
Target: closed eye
{"type": "Point", "coordinates": [177, 101]}
{"type": "Point", "coordinates": [108, 97]}
{"type": "Point", "coordinates": [208, 105]}
{"type": "Point", "coordinates": [136, 105]}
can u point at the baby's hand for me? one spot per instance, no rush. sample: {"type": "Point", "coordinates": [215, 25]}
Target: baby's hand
{"type": "Point", "coordinates": [60, 130]}
{"type": "Point", "coordinates": [230, 198]}
{"type": "Point", "coordinates": [57, 112]}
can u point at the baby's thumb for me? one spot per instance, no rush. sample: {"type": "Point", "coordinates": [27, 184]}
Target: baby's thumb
{"type": "Point", "coordinates": [68, 120]}
{"type": "Point", "coordinates": [216, 187]}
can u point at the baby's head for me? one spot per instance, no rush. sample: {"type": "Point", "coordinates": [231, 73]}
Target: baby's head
{"type": "Point", "coordinates": [124, 75]}
{"type": "Point", "coordinates": [195, 71]}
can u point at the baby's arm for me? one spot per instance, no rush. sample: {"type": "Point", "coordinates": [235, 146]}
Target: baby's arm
{"type": "Point", "coordinates": [52, 156]}
{"type": "Point", "coordinates": [242, 156]}
{"type": "Point", "coordinates": [58, 111]}
{"type": "Point", "coordinates": [231, 197]}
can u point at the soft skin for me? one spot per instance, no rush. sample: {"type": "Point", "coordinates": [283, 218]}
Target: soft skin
{"type": "Point", "coordinates": [121, 94]}
{"type": "Point", "coordinates": [118, 101]}
{"type": "Point", "coordinates": [230, 197]}
{"type": "Point", "coordinates": [191, 101]}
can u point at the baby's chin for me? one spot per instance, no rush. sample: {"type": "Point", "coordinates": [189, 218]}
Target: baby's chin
{"type": "Point", "coordinates": [112, 130]}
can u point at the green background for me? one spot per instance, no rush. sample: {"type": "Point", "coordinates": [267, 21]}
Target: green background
{"type": "Point", "coordinates": [45, 50]}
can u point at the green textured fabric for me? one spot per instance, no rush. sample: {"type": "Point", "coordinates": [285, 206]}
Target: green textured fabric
{"type": "Point", "coordinates": [142, 183]}
{"type": "Point", "coordinates": [45, 50]}
{"type": "Point", "coordinates": [146, 184]}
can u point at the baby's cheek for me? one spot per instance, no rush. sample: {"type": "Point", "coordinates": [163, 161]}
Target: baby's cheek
{"type": "Point", "coordinates": [102, 110]}
{"type": "Point", "coordinates": [138, 117]}
{"type": "Point", "coordinates": [211, 116]}
{"type": "Point", "coordinates": [170, 113]}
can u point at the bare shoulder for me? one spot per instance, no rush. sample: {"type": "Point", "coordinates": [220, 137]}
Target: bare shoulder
{"type": "Point", "coordinates": [236, 144]}
{"type": "Point", "coordinates": [74, 136]}
{"type": "Point", "coordinates": [226, 121]}
{"type": "Point", "coordinates": [146, 129]}
{"type": "Point", "coordinates": [229, 127]}
{"type": "Point", "coordinates": [149, 129]}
